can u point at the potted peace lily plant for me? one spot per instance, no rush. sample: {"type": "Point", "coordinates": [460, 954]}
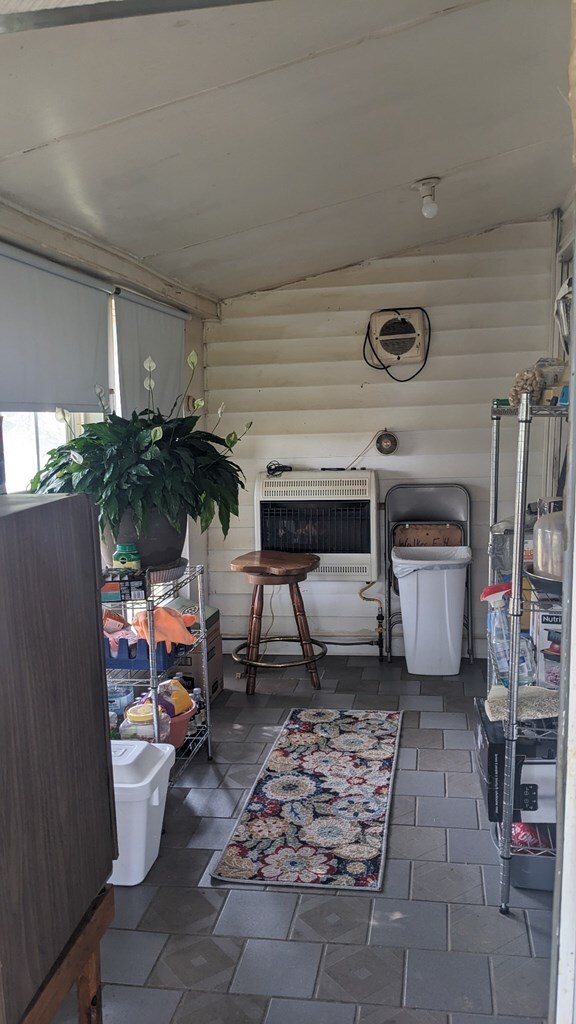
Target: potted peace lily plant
{"type": "Point", "coordinates": [147, 473]}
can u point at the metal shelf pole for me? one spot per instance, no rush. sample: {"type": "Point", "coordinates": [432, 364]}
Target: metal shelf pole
{"type": "Point", "coordinates": [202, 615]}
{"type": "Point", "coordinates": [153, 662]}
{"type": "Point", "coordinates": [516, 608]}
{"type": "Point", "coordinates": [492, 518]}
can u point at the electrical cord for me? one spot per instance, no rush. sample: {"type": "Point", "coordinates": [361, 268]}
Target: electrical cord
{"type": "Point", "coordinates": [363, 452]}
{"type": "Point", "coordinates": [368, 346]}
{"type": "Point", "coordinates": [276, 469]}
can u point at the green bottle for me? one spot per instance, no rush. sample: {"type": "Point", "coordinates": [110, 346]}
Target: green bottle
{"type": "Point", "coordinates": [126, 556]}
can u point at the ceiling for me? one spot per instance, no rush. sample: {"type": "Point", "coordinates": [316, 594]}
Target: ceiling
{"type": "Point", "coordinates": [238, 148]}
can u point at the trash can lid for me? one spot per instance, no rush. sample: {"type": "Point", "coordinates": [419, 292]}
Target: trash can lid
{"type": "Point", "coordinates": [406, 560]}
{"type": "Point", "coordinates": [133, 761]}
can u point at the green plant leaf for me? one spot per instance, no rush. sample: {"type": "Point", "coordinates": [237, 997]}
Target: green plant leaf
{"type": "Point", "coordinates": [156, 433]}
{"type": "Point", "coordinates": [206, 513]}
{"type": "Point", "coordinates": [192, 360]}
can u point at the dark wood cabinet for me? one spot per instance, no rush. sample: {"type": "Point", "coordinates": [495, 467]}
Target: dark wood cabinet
{"type": "Point", "coordinates": [57, 826]}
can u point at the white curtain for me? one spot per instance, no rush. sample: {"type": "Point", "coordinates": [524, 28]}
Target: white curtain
{"type": "Point", "coordinates": [145, 328]}
{"type": "Point", "coordinates": [53, 335]}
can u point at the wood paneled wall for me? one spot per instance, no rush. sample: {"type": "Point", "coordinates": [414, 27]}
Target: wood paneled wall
{"type": "Point", "coordinates": [291, 361]}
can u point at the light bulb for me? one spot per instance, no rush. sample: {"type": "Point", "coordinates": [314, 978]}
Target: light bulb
{"type": "Point", "coordinates": [429, 207]}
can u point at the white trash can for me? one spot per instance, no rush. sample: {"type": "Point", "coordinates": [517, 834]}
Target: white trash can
{"type": "Point", "coordinates": [141, 774]}
{"type": "Point", "coordinates": [432, 585]}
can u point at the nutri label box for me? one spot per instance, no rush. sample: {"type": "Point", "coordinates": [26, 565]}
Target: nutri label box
{"type": "Point", "coordinates": [546, 632]}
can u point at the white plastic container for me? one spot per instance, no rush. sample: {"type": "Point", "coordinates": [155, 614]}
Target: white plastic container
{"type": "Point", "coordinates": [141, 772]}
{"type": "Point", "coordinates": [549, 544]}
{"type": "Point", "coordinates": [432, 584]}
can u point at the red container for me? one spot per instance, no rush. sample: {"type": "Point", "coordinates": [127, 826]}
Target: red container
{"type": "Point", "coordinates": [179, 726]}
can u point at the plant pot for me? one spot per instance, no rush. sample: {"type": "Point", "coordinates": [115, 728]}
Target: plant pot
{"type": "Point", "coordinates": [160, 545]}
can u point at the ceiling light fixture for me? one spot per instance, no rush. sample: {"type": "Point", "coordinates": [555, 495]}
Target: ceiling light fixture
{"type": "Point", "coordinates": [427, 189]}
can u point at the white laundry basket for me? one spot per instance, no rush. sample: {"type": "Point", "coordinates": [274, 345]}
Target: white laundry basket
{"type": "Point", "coordinates": [432, 584]}
{"type": "Point", "coordinates": [141, 773]}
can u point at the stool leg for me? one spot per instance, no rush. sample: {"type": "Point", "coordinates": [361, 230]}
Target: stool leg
{"type": "Point", "coordinates": [89, 993]}
{"type": "Point", "coordinates": [304, 633]}
{"type": "Point", "coordinates": [254, 629]}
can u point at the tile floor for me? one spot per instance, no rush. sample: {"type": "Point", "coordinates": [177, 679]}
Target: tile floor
{"type": "Point", "coordinates": [431, 948]}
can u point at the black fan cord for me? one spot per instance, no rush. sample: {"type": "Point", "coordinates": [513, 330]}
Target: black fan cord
{"type": "Point", "coordinates": [381, 365]}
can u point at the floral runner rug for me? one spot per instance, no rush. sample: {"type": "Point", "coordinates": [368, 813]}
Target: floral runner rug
{"type": "Point", "coordinates": [318, 812]}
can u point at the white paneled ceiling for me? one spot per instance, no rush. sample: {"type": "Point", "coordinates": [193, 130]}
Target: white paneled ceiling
{"type": "Point", "coordinates": [237, 148]}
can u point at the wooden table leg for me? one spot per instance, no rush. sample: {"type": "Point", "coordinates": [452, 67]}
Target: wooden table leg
{"type": "Point", "coordinates": [89, 992]}
{"type": "Point", "coordinates": [304, 633]}
{"type": "Point", "coordinates": [254, 630]}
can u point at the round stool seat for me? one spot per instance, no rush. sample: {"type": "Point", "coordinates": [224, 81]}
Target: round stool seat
{"type": "Point", "coordinates": [275, 563]}
{"type": "Point", "coordinates": [273, 569]}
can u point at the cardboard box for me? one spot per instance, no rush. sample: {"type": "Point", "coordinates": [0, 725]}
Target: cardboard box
{"type": "Point", "coordinates": [123, 587]}
{"type": "Point", "coordinates": [191, 663]}
{"type": "Point", "coordinates": [550, 396]}
{"type": "Point", "coordinates": [546, 630]}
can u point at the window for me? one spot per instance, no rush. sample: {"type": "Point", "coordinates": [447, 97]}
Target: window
{"type": "Point", "coordinates": [28, 436]}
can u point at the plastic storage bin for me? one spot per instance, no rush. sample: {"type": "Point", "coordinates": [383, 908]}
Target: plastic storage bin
{"type": "Point", "coordinates": [432, 585]}
{"type": "Point", "coordinates": [141, 772]}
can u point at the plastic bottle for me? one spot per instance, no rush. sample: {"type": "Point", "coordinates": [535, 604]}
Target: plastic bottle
{"type": "Point", "coordinates": [498, 629]}
{"type": "Point", "coordinates": [201, 705]}
{"type": "Point", "coordinates": [499, 639]}
{"type": "Point", "coordinates": [126, 556]}
{"type": "Point", "coordinates": [114, 731]}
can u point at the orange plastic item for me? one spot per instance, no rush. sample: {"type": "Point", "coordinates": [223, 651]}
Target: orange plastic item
{"type": "Point", "coordinates": [169, 626]}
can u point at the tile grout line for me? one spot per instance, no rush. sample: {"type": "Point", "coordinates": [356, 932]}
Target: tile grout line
{"type": "Point", "coordinates": [492, 986]}
{"type": "Point", "coordinates": [235, 970]}
{"type": "Point", "coordinates": [404, 991]}
{"type": "Point", "coordinates": [177, 1007]}
{"type": "Point", "coordinates": [165, 943]}
{"type": "Point", "coordinates": [295, 912]}
{"type": "Point", "coordinates": [531, 943]}
{"type": "Point", "coordinates": [319, 969]}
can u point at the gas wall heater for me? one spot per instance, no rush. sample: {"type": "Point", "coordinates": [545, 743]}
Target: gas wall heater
{"type": "Point", "coordinates": [334, 515]}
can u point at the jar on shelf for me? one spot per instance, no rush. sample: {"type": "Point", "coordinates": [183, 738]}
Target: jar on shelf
{"type": "Point", "coordinates": [549, 543]}
{"type": "Point", "coordinates": [138, 724]}
{"type": "Point", "coordinates": [126, 556]}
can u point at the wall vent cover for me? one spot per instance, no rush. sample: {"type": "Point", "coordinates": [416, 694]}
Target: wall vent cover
{"type": "Point", "coordinates": [398, 336]}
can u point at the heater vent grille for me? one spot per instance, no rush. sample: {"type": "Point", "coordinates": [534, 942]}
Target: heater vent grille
{"type": "Point", "coordinates": [353, 571]}
{"type": "Point", "coordinates": [332, 515]}
{"type": "Point", "coordinates": [321, 486]}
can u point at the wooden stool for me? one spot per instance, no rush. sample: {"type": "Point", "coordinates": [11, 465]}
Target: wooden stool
{"type": "Point", "coordinates": [273, 569]}
{"type": "Point", "coordinates": [79, 962]}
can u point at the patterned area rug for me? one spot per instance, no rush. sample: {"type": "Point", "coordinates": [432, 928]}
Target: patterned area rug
{"type": "Point", "coordinates": [318, 812]}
